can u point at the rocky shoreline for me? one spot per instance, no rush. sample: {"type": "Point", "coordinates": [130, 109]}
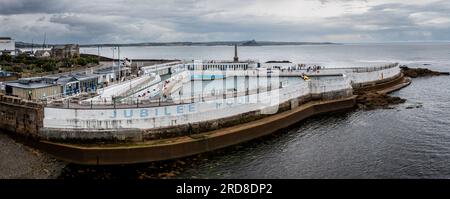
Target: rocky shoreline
{"type": "Point", "coordinates": [375, 100]}
{"type": "Point", "coordinates": [420, 72]}
{"type": "Point", "coordinates": [370, 100]}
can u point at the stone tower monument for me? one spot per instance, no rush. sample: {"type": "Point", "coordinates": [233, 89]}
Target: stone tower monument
{"type": "Point", "coordinates": [236, 58]}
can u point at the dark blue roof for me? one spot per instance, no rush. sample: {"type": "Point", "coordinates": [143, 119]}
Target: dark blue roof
{"type": "Point", "coordinates": [6, 73]}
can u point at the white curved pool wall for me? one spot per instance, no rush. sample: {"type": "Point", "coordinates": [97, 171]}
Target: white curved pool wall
{"type": "Point", "coordinates": [236, 81]}
{"type": "Point", "coordinates": [147, 118]}
{"type": "Point", "coordinates": [361, 75]}
{"type": "Point", "coordinates": [262, 72]}
{"type": "Point", "coordinates": [324, 84]}
{"type": "Point", "coordinates": [106, 94]}
{"type": "Point", "coordinates": [176, 80]}
{"type": "Point", "coordinates": [166, 116]}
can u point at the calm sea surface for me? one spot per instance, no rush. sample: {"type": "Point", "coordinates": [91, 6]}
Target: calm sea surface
{"type": "Point", "coordinates": [326, 55]}
{"type": "Point", "coordinates": [412, 140]}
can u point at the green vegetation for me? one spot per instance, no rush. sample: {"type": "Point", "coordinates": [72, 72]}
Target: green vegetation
{"type": "Point", "coordinates": [32, 65]}
{"type": "Point", "coordinates": [6, 58]}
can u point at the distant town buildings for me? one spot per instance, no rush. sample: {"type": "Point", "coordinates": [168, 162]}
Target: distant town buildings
{"type": "Point", "coordinates": [7, 46]}
{"type": "Point", "coordinates": [66, 51]}
{"type": "Point", "coordinates": [42, 53]}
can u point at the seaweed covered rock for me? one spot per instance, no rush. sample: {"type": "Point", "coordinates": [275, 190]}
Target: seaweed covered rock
{"type": "Point", "coordinates": [374, 100]}
{"type": "Point", "coordinates": [420, 72]}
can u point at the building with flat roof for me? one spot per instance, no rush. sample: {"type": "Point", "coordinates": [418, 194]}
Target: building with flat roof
{"type": "Point", "coordinates": [111, 74]}
{"type": "Point", "coordinates": [163, 68]}
{"type": "Point", "coordinates": [52, 86]}
{"type": "Point", "coordinates": [7, 46]}
{"type": "Point", "coordinates": [221, 65]}
{"type": "Point", "coordinates": [31, 88]}
{"type": "Point", "coordinates": [281, 65]}
{"type": "Point", "coordinates": [74, 83]}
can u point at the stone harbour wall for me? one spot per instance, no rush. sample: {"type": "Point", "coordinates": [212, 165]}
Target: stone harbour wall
{"type": "Point", "coordinates": [20, 116]}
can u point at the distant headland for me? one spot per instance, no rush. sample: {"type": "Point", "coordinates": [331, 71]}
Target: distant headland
{"type": "Point", "coordinates": [212, 43]}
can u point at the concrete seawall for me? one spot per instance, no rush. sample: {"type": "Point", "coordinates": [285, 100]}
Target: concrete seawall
{"type": "Point", "coordinates": [190, 145]}
{"type": "Point", "coordinates": [182, 146]}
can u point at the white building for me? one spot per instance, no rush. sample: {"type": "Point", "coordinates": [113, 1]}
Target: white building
{"type": "Point", "coordinates": [7, 45]}
{"type": "Point", "coordinates": [42, 53]}
{"type": "Point", "coordinates": [162, 69]}
{"type": "Point", "coordinates": [279, 65]}
{"type": "Point", "coordinates": [221, 65]}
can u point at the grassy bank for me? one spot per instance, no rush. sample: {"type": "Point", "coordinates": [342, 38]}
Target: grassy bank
{"type": "Point", "coordinates": [28, 66]}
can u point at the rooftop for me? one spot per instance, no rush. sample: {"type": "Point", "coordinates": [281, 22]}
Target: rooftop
{"type": "Point", "coordinates": [64, 46]}
{"type": "Point", "coordinates": [82, 77]}
{"type": "Point", "coordinates": [47, 81]}
{"type": "Point", "coordinates": [284, 61]}
{"type": "Point", "coordinates": [63, 79]}
{"type": "Point", "coordinates": [31, 85]}
{"type": "Point", "coordinates": [227, 61]}
{"type": "Point", "coordinates": [6, 73]}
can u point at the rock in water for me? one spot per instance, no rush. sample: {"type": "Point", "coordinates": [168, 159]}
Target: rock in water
{"type": "Point", "coordinates": [420, 72]}
{"type": "Point", "coordinates": [373, 100]}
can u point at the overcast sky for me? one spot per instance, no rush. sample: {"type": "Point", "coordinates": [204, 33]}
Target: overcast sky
{"type": "Point", "coordinates": [124, 21]}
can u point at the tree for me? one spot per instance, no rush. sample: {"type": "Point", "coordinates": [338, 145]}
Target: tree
{"type": "Point", "coordinates": [81, 61]}
{"type": "Point", "coordinates": [17, 69]}
{"type": "Point", "coordinates": [6, 57]}
{"type": "Point", "coordinates": [21, 58]}
{"type": "Point", "coordinates": [49, 66]}
{"type": "Point", "coordinates": [66, 62]}
{"type": "Point", "coordinates": [92, 60]}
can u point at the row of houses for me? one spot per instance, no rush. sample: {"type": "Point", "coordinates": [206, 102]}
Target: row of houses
{"type": "Point", "coordinates": [8, 46]}
{"type": "Point", "coordinates": [60, 51]}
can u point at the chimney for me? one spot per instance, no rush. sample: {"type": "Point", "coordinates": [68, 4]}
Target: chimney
{"type": "Point", "coordinates": [236, 58]}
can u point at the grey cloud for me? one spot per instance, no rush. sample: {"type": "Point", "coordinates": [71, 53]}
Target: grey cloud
{"type": "Point", "coordinates": [89, 21]}
{"type": "Point", "coordinates": [11, 7]}
{"type": "Point", "coordinates": [395, 24]}
{"type": "Point", "coordinates": [328, 1]}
